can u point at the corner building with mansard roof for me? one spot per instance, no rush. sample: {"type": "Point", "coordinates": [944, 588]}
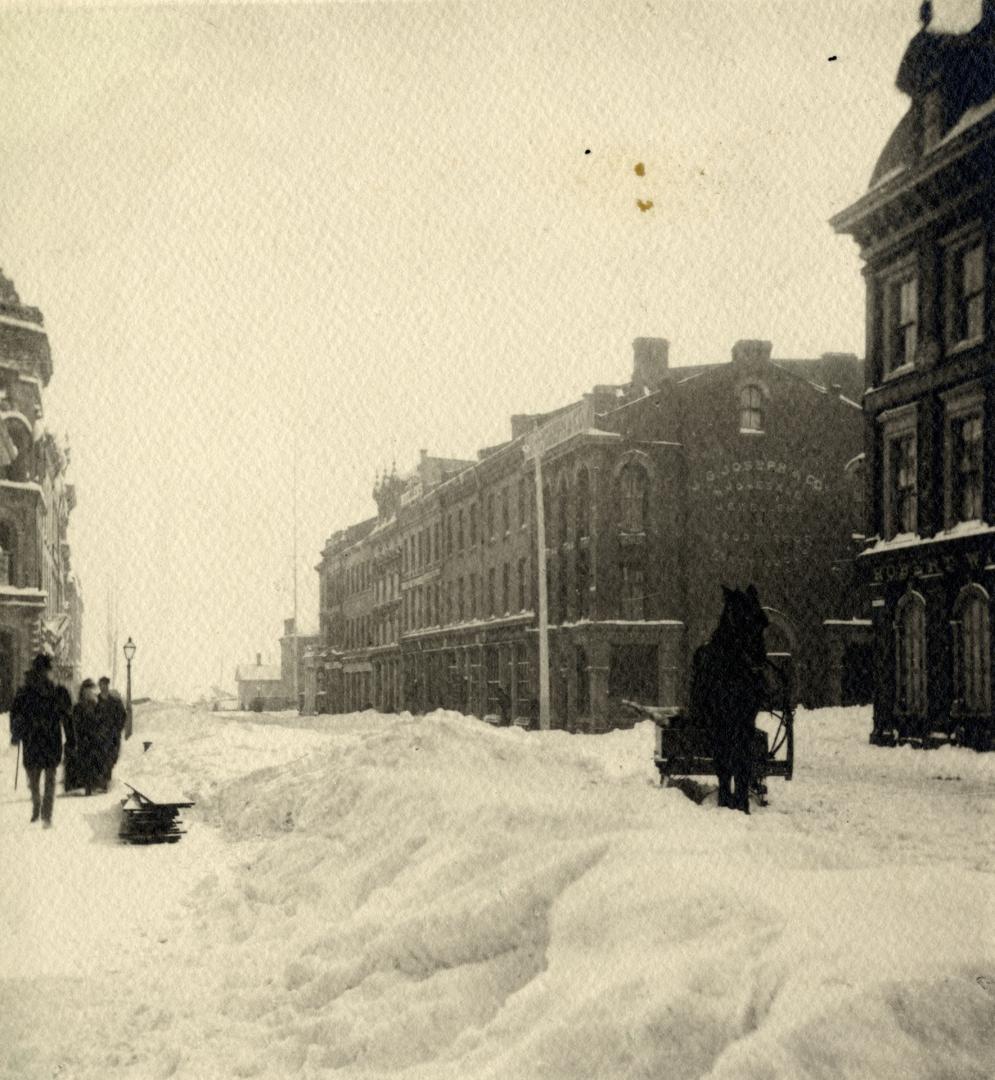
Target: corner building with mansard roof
{"type": "Point", "coordinates": [655, 493]}
{"type": "Point", "coordinates": [925, 229]}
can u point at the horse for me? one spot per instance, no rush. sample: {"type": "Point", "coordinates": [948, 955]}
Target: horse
{"type": "Point", "coordinates": [728, 688]}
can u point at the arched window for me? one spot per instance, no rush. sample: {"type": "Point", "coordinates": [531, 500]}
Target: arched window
{"type": "Point", "coordinates": [910, 655]}
{"type": "Point", "coordinates": [751, 409]}
{"type": "Point", "coordinates": [20, 469]}
{"type": "Point", "coordinates": [972, 651]}
{"type": "Point", "coordinates": [564, 512]}
{"type": "Point", "coordinates": [634, 491]}
{"type": "Point", "coordinates": [583, 504]}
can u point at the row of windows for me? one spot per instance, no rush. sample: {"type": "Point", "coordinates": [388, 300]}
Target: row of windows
{"type": "Point", "coordinates": [970, 641]}
{"type": "Point", "coordinates": [358, 632]}
{"type": "Point", "coordinates": [963, 294]}
{"type": "Point", "coordinates": [502, 592]}
{"type": "Point", "coordinates": [631, 597]}
{"type": "Point", "coordinates": [470, 597]}
{"type": "Point", "coordinates": [963, 463]}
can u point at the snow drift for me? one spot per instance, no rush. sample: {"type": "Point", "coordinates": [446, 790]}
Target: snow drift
{"type": "Point", "coordinates": [431, 897]}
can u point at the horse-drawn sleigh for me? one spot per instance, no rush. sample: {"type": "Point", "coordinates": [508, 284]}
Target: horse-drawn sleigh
{"type": "Point", "coordinates": [733, 682]}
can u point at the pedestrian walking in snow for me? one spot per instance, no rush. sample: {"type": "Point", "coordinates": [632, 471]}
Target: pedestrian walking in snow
{"type": "Point", "coordinates": [39, 713]}
{"type": "Point", "coordinates": [111, 718]}
{"type": "Point", "coordinates": [91, 744]}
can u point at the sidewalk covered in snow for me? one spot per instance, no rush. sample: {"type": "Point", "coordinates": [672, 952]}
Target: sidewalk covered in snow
{"type": "Point", "coordinates": [431, 897]}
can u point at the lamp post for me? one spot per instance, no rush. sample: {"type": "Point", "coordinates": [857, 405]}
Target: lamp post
{"type": "Point", "coordinates": [129, 655]}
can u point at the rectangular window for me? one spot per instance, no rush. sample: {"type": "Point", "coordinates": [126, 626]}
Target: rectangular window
{"type": "Point", "coordinates": [473, 524]}
{"type": "Point", "coordinates": [506, 510]}
{"type": "Point", "coordinates": [460, 609]}
{"type": "Point", "coordinates": [449, 534]}
{"type": "Point", "coordinates": [902, 484]}
{"type": "Point", "coordinates": [438, 545]}
{"type": "Point", "coordinates": [449, 601]}
{"type": "Point", "coordinates": [459, 530]}
{"type": "Point", "coordinates": [491, 598]}
{"type": "Point", "coordinates": [966, 467]}
{"type": "Point", "coordinates": [506, 588]}
{"type": "Point", "coordinates": [522, 586]}
{"type": "Point", "coordinates": [901, 321]}
{"type": "Point", "coordinates": [523, 501]}
{"type": "Point", "coordinates": [473, 596]}
{"type": "Point", "coordinates": [490, 517]}
{"type": "Point", "coordinates": [633, 592]}
{"type": "Point", "coordinates": [966, 293]}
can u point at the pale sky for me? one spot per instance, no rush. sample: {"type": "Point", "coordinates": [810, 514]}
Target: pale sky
{"type": "Point", "coordinates": [377, 225]}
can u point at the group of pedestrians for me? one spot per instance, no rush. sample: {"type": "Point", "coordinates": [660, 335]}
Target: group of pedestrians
{"type": "Point", "coordinates": [50, 729]}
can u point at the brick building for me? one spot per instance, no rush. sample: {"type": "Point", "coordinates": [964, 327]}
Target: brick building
{"type": "Point", "coordinates": [655, 492]}
{"type": "Point", "coordinates": [925, 229]}
{"type": "Point", "coordinates": [41, 606]}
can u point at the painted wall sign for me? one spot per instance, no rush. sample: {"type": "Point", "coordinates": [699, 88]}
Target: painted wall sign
{"type": "Point", "coordinates": [920, 564]}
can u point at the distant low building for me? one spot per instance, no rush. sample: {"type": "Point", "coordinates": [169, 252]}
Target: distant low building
{"type": "Point", "coordinates": [260, 686]}
{"type": "Point", "coordinates": [294, 647]}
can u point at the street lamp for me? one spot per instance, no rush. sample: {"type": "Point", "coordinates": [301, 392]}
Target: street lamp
{"type": "Point", "coordinates": [129, 655]}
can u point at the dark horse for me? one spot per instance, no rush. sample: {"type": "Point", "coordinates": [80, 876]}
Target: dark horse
{"type": "Point", "coordinates": [728, 688]}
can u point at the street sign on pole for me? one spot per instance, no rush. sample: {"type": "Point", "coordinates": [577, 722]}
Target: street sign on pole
{"type": "Point", "coordinates": [557, 429]}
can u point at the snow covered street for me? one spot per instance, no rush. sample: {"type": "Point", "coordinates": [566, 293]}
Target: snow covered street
{"type": "Point", "coordinates": [430, 897]}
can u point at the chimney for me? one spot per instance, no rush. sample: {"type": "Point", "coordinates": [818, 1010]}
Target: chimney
{"type": "Point", "coordinates": [259, 659]}
{"type": "Point", "coordinates": [521, 424]}
{"type": "Point", "coordinates": [649, 361]}
{"type": "Point", "coordinates": [751, 352]}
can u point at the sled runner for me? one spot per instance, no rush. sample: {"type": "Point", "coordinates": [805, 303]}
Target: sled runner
{"type": "Point", "coordinates": [144, 821]}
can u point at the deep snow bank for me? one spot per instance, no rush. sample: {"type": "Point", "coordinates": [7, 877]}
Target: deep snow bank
{"type": "Point", "coordinates": [434, 898]}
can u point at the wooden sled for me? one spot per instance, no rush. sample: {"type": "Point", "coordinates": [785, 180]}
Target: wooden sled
{"type": "Point", "coordinates": [144, 821]}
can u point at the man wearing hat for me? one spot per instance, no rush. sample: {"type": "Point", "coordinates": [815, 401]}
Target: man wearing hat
{"type": "Point", "coordinates": [111, 718]}
{"type": "Point", "coordinates": [40, 711]}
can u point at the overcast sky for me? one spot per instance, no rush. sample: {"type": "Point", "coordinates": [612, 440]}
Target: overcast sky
{"type": "Point", "coordinates": [379, 227]}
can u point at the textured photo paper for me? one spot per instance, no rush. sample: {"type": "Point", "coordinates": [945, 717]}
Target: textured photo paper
{"type": "Point", "coordinates": [487, 448]}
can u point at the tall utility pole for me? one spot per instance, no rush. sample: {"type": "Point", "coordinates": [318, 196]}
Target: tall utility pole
{"type": "Point", "coordinates": [543, 599]}
{"type": "Point", "coordinates": [296, 637]}
{"type": "Point", "coordinates": [112, 635]}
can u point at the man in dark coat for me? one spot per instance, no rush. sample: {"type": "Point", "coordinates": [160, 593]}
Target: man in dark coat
{"type": "Point", "coordinates": [91, 742]}
{"type": "Point", "coordinates": [111, 718]}
{"type": "Point", "coordinates": [38, 714]}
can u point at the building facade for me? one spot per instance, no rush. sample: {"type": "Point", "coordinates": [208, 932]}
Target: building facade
{"type": "Point", "coordinates": [654, 493]}
{"type": "Point", "coordinates": [926, 230]}
{"type": "Point", "coordinates": [41, 607]}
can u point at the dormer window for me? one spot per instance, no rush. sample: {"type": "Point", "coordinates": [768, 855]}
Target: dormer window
{"type": "Point", "coordinates": [751, 409]}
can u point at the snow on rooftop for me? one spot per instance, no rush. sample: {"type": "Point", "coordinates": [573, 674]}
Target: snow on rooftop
{"type": "Point", "coordinates": [971, 116]}
{"type": "Point", "coordinates": [906, 540]}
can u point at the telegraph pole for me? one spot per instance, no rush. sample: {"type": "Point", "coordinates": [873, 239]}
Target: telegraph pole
{"type": "Point", "coordinates": [543, 599]}
{"type": "Point", "coordinates": [296, 637]}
